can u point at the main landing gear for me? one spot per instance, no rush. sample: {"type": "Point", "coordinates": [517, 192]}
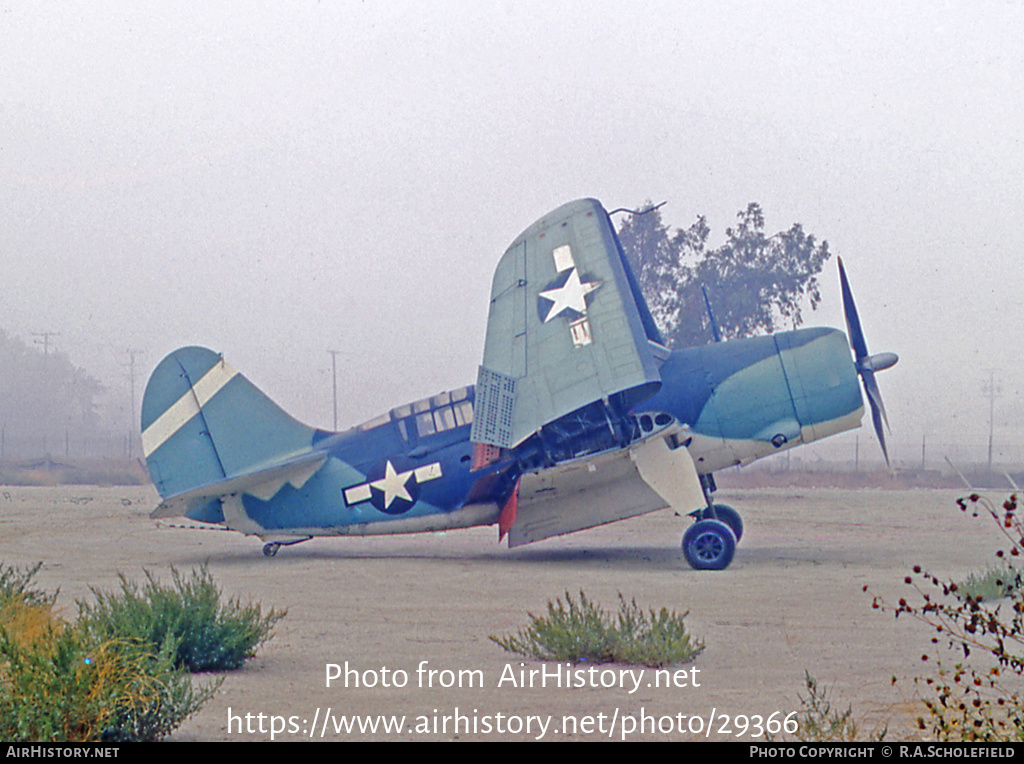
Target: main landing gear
{"type": "Point", "coordinates": [710, 543]}
{"type": "Point", "coordinates": [727, 515]}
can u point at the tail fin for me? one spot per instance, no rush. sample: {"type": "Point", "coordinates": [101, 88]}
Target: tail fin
{"type": "Point", "coordinates": [203, 422]}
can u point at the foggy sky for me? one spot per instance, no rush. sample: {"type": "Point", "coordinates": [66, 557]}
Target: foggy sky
{"type": "Point", "coordinates": [276, 180]}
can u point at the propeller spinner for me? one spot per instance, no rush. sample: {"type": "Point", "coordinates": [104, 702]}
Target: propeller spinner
{"type": "Point", "coordinates": [866, 364]}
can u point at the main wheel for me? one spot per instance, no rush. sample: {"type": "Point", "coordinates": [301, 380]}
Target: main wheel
{"type": "Point", "coordinates": [709, 545]}
{"type": "Point", "coordinates": [727, 515]}
{"type": "Point", "coordinates": [269, 550]}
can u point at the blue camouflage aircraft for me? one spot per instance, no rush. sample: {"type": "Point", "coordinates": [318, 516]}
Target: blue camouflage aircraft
{"type": "Point", "coordinates": [580, 416]}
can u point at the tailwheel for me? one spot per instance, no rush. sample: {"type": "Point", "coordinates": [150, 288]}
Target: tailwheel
{"type": "Point", "coordinates": [271, 547]}
{"type": "Point", "coordinates": [727, 515]}
{"type": "Point", "coordinates": [709, 545]}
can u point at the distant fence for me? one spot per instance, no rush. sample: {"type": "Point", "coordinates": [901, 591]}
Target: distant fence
{"type": "Point", "coordinates": [16, 447]}
{"type": "Point", "coordinates": [850, 453]}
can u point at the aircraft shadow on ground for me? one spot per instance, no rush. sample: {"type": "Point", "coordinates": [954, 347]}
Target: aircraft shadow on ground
{"type": "Point", "coordinates": [617, 557]}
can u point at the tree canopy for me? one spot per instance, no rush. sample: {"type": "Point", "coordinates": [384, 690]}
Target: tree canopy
{"type": "Point", "coordinates": [45, 395]}
{"type": "Point", "coordinates": [755, 283]}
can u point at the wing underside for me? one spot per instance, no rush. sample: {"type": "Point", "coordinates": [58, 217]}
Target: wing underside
{"type": "Point", "coordinates": [592, 491]}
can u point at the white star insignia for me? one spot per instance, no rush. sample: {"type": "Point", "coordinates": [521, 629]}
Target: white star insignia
{"type": "Point", "coordinates": [392, 485]}
{"type": "Point", "coordinates": [570, 296]}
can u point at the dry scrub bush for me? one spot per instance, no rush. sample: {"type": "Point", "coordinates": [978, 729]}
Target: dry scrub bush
{"type": "Point", "coordinates": [978, 695]}
{"type": "Point", "coordinates": [821, 721]}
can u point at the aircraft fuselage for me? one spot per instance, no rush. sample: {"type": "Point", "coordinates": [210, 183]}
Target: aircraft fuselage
{"type": "Point", "coordinates": [415, 469]}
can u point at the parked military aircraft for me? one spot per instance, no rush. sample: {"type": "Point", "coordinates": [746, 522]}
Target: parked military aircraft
{"type": "Point", "coordinates": [580, 416]}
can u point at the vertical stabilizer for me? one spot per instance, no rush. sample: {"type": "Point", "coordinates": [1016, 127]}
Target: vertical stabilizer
{"type": "Point", "coordinates": [203, 422]}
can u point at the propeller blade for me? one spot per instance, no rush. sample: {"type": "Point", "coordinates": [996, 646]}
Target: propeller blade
{"type": "Point", "coordinates": [860, 347]}
{"type": "Point", "coordinates": [877, 409]}
{"type": "Point", "coordinates": [874, 394]}
{"type": "Point", "coordinates": [866, 364]}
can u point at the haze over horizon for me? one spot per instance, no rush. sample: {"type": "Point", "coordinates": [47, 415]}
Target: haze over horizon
{"type": "Point", "coordinates": [276, 181]}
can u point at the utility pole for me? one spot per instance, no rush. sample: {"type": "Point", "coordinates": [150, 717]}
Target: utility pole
{"type": "Point", "coordinates": [334, 374]}
{"type": "Point", "coordinates": [131, 391]}
{"type": "Point", "coordinates": [46, 340]}
{"type": "Point", "coordinates": [991, 390]}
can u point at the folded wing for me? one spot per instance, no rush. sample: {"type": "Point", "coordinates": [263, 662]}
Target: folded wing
{"type": "Point", "coordinates": [567, 327]}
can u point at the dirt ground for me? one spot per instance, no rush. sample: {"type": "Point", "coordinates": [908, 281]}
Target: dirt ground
{"type": "Point", "coordinates": [792, 602]}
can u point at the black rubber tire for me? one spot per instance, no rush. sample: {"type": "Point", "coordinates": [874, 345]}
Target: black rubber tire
{"type": "Point", "coordinates": [727, 515]}
{"type": "Point", "coordinates": [709, 545]}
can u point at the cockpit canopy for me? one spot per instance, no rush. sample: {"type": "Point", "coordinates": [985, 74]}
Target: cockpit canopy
{"type": "Point", "coordinates": [429, 416]}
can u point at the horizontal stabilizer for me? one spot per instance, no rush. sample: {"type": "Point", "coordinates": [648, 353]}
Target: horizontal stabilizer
{"type": "Point", "coordinates": [263, 484]}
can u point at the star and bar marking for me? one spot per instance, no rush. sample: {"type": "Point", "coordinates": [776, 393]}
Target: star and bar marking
{"type": "Point", "coordinates": [392, 486]}
{"type": "Point", "coordinates": [569, 296]}
{"type": "Point", "coordinates": [572, 295]}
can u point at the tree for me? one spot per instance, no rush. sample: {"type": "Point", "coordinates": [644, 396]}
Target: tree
{"type": "Point", "coordinates": [45, 396]}
{"type": "Point", "coordinates": [663, 262]}
{"type": "Point", "coordinates": [755, 283]}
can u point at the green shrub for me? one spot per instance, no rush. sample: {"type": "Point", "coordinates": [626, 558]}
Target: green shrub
{"type": "Point", "coordinates": [582, 631]}
{"type": "Point", "coordinates": [997, 582]}
{"type": "Point", "coordinates": [65, 688]}
{"type": "Point", "coordinates": [59, 684]}
{"type": "Point", "coordinates": [159, 696]}
{"type": "Point", "coordinates": [16, 584]}
{"type": "Point", "coordinates": [188, 618]}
